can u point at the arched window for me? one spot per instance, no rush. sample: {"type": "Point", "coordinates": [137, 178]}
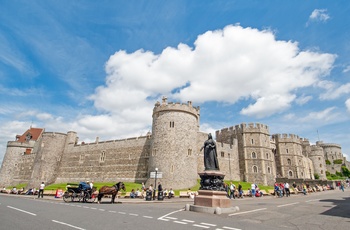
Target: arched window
{"type": "Point", "coordinates": [253, 155]}
{"type": "Point", "coordinates": [289, 162]}
{"type": "Point", "coordinates": [267, 155]}
{"type": "Point", "coordinates": [320, 165]}
{"type": "Point", "coordinates": [321, 171]}
{"type": "Point", "coordinates": [255, 169]}
{"type": "Point", "coordinates": [269, 170]}
{"type": "Point", "coordinates": [290, 173]}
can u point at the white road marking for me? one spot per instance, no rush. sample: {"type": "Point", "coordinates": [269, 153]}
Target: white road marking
{"type": "Point", "coordinates": [312, 200]}
{"type": "Point", "coordinates": [93, 208]}
{"type": "Point", "coordinates": [149, 217]}
{"type": "Point", "coordinates": [69, 225]}
{"type": "Point", "coordinates": [132, 214]}
{"type": "Point", "coordinates": [231, 228]}
{"type": "Point", "coordinates": [239, 213]}
{"type": "Point", "coordinates": [209, 224]}
{"type": "Point", "coordinates": [30, 213]}
{"type": "Point", "coordinates": [200, 226]}
{"type": "Point", "coordinates": [180, 222]}
{"type": "Point", "coordinates": [121, 212]}
{"type": "Point", "coordinates": [101, 209]}
{"type": "Point", "coordinates": [283, 205]}
{"type": "Point", "coordinates": [112, 211]}
{"type": "Point", "coordinates": [189, 221]}
{"type": "Point", "coordinates": [161, 218]}
{"type": "Point", "coordinates": [171, 218]}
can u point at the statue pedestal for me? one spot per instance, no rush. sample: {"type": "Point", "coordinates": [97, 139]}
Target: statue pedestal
{"type": "Point", "coordinates": [212, 196]}
{"type": "Point", "coordinates": [213, 199]}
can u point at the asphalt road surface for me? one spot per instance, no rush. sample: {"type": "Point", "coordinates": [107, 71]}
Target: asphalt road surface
{"type": "Point", "coordinates": [321, 210]}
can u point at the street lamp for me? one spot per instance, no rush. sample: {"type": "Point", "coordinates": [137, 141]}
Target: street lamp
{"type": "Point", "coordinates": [155, 184]}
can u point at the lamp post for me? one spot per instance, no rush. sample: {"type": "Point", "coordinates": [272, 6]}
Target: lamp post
{"type": "Point", "coordinates": [155, 184]}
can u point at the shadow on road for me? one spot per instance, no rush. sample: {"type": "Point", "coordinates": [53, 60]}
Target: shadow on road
{"type": "Point", "coordinates": [341, 209]}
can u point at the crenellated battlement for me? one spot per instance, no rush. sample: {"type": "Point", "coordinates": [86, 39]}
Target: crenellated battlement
{"type": "Point", "coordinates": [253, 127]}
{"type": "Point", "coordinates": [284, 137]}
{"type": "Point", "coordinates": [177, 106]}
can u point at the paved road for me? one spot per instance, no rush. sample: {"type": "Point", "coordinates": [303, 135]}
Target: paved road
{"type": "Point", "coordinates": [322, 210]}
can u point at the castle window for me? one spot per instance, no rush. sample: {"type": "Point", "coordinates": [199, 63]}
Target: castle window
{"type": "Point", "coordinates": [252, 141]}
{"type": "Point", "coordinates": [332, 157]}
{"type": "Point", "coordinates": [267, 155]}
{"type": "Point", "coordinates": [253, 155]}
{"type": "Point", "coordinates": [172, 169]}
{"type": "Point", "coordinates": [189, 152]}
{"type": "Point", "coordinates": [154, 153]}
{"type": "Point", "coordinates": [268, 169]}
{"type": "Point", "coordinates": [172, 124]}
{"type": "Point", "coordinates": [255, 169]}
{"type": "Point", "coordinates": [222, 154]}
{"type": "Point", "coordinates": [321, 171]}
{"type": "Point", "coordinates": [81, 159]}
{"type": "Point", "coordinates": [290, 173]}
{"type": "Point", "coordinates": [103, 156]}
{"type": "Point", "coordinates": [289, 162]}
{"type": "Point", "coordinates": [287, 150]}
{"type": "Point", "coordinates": [319, 158]}
{"type": "Point", "coordinates": [302, 174]}
{"type": "Point", "coordinates": [320, 165]}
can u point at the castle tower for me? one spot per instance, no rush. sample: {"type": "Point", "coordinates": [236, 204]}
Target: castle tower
{"type": "Point", "coordinates": [317, 157]}
{"type": "Point", "coordinates": [332, 153]}
{"type": "Point", "coordinates": [256, 159]}
{"type": "Point", "coordinates": [289, 157]}
{"type": "Point", "coordinates": [19, 157]}
{"type": "Point", "coordinates": [174, 144]}
{"type": "Point", "coordinates": [48, 156]}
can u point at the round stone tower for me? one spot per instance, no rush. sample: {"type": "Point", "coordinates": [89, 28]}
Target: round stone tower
{"type": "Point", "coordinates": [317, 157]}
{"type": "Point", "coordinates": [174, 145]}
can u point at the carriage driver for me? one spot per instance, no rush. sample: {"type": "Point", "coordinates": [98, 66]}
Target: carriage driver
{"type": "Point", "coordinates": [85, 187]}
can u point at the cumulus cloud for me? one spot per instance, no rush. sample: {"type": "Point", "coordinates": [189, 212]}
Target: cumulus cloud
{"type": "Point", "coordinates": [226, 65]}
{"type": "Point", "coordinates": [347, 69]}
{"type": "Point", "coordinates": [303, 99]}
{"type": "Point", "coordinates": [319, 15]}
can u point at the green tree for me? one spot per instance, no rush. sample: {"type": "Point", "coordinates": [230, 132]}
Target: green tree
{"type": "Point", "coordinates": [316, 176]}
{"type": "Point", "coordinates": [345, 171]}
{"type": "Point", "coordinates": [328, 162]}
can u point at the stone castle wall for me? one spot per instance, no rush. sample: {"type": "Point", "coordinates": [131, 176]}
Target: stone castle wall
{"type": "Point", "coordinates": [111, 161]}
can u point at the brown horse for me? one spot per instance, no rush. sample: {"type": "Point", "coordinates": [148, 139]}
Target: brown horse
{"type": "Point", "coordinates": [110, 190]}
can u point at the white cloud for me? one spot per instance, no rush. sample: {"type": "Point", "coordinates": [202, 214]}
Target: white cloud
{"type": "Point", "coordinates": [326, 116]}
{"type": "Point", "coordinates": [319, 15]}
{"type": "Point", "coordinates": [347, 69]}
{"type": "Point", "coordinates": [224, 65]}
{"type": "Point", "coordinates": [347, 104]}
{"type": "Point", "coordinates": [333, 92]}
{"type": "Point", "coordinates": [303, 99]}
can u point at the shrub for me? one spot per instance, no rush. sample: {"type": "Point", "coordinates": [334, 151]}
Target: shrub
{"type": "Point", "coordinates": [338, 161]}
{"type": "Point", "coordinates": [345, 171]}
{"type": "Point", "coordinates": [328, 162]}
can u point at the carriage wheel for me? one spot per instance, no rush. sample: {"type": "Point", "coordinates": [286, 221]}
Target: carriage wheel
{"type": "Point", "coordinates": [67, 197]}
{"type": "Point", "coordinates": [76, 197]}
{"type": "Point", "coordinates": [90, 199]}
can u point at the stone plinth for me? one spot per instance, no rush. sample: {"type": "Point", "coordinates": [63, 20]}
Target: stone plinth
{"type": "Point", "coordinates": [209, 198]}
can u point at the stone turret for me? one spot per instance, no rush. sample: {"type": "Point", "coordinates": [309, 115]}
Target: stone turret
{"type": "Point", "coordinates": [174, 144]}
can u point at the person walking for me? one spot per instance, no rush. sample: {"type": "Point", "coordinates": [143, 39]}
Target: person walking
{"type": "Point", "coordinates": [41, 190]}
{"type": "Point", "coordinates": [232, 190]}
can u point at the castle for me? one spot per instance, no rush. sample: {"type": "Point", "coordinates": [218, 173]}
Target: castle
{"type": "Point", "coordinates": [246, 152]}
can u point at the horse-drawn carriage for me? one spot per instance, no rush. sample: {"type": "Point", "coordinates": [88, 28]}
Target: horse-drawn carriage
{"type": "Point", "coordinates": [75, 193]}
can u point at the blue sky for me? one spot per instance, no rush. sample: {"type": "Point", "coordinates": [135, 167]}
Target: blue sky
{"type": "Point", "coordinates": [98, 67]}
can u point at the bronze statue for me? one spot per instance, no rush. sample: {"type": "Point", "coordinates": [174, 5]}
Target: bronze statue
{"type": "Point", "coordinates": [210, 154]}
